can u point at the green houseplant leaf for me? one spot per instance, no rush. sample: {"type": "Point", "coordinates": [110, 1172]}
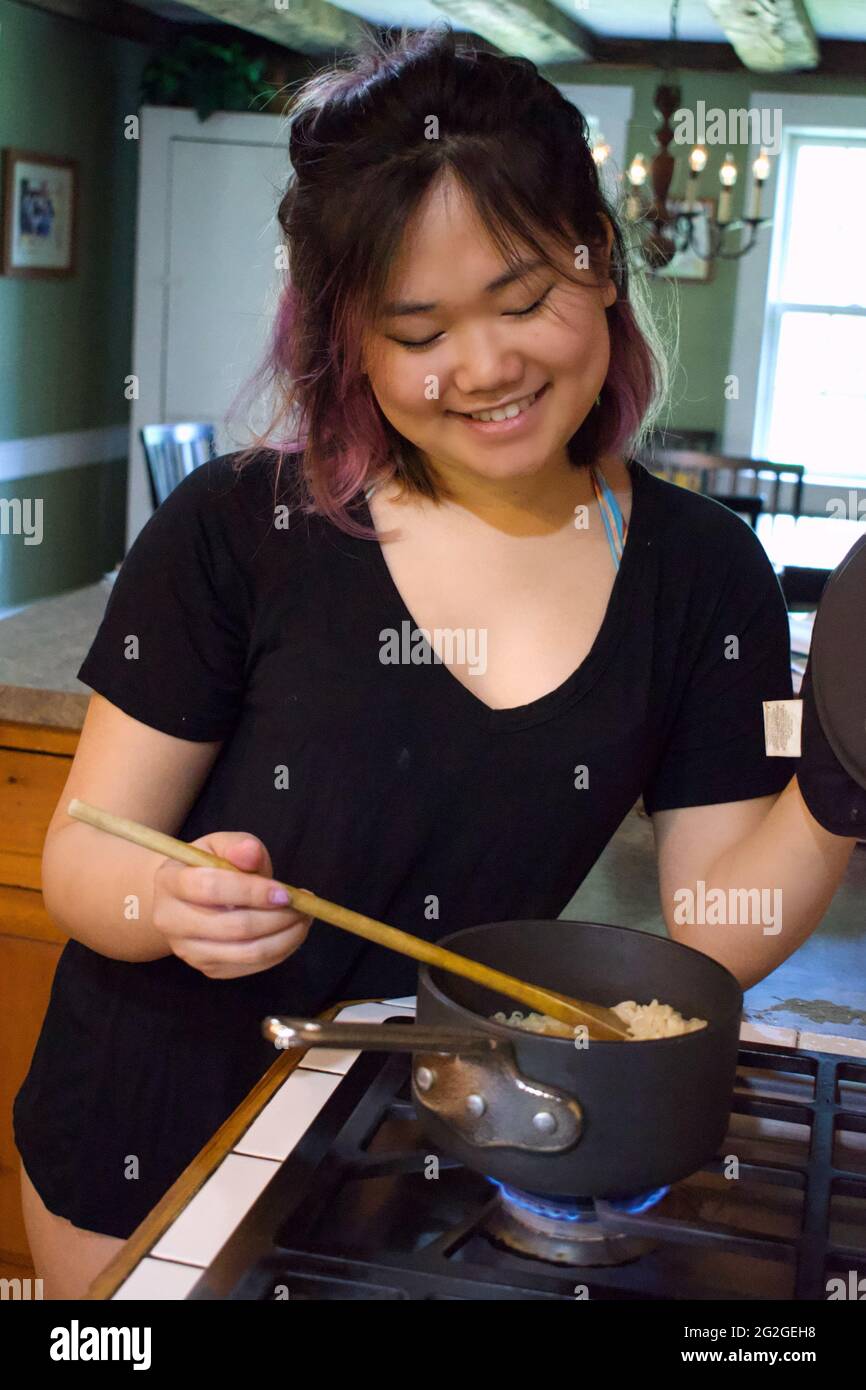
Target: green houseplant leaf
{"type": "Point", "coordinates": [206, 76]}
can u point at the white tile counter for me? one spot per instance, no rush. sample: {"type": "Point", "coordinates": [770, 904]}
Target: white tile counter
{"type": "Point", "coordinates": [176, 1261]}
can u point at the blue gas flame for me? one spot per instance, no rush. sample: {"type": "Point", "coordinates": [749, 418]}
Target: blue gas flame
{"type": "Point", "coordinates": [575, 1208]}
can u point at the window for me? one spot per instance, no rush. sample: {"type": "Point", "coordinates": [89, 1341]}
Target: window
{"type": "Point", "coordinates": [812, 399]}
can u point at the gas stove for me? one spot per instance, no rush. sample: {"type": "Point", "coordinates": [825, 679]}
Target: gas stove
{"type": "Point", "coordinates": [363, 1208]}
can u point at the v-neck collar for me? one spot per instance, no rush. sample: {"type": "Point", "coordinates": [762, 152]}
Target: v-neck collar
{"type": "Point", "coordinates": [576, 685]}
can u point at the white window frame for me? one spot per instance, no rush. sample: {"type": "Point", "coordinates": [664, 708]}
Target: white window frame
{"type": "Point", "coordinates": [753, 361]}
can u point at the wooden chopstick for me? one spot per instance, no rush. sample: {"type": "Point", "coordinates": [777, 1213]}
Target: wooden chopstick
{"type": "Point", "coordinates": [601, 1023]}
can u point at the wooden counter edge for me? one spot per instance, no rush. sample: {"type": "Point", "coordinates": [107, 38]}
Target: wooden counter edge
{"type": "Point", "coordinates": [194, 1176]}
{"type": "Point", "coordinates": [37, 737]}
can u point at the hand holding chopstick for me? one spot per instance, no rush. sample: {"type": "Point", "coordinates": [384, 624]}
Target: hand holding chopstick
{"type": "Point", "coordinates": [601, 1023]}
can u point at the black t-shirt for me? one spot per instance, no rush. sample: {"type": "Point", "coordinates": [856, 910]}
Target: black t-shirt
{"type": "Point", "coordinates": [392, 789]}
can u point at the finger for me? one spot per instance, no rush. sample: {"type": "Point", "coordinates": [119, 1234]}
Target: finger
{"type": "Point", "coordinates": [225, 925]}
{"type": "Point", "coordinates": [224, 888]}
{"type": "Point", "coordinates": [250, 855]}
{"type": "Point", "coordinates": [247, 852]}
{"type": "Point", "coordinates": [224, 844]}
{"type": "Point", "coordinates": [248, 957]}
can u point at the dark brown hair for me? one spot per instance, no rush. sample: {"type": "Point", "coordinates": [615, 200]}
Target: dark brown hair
{"type": "Point", "coordinates": [363, 160]}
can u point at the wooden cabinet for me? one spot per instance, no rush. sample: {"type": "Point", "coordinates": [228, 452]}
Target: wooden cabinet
{"type": "Point", "coordinates": [34, 764]}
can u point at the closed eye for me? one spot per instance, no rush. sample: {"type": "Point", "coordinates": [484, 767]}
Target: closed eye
{"type": "Point", "coordinates": [510, 314]}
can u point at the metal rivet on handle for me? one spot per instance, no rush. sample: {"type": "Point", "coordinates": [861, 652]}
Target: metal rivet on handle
{"type": "Point", "coordinates": [424, 1078]}
{"type": "Point", "coordinates": [544, 1121]}
{"type": "Point", "coordinates": [476, 1105]}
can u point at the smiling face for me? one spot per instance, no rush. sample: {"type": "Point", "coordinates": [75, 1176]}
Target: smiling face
{"type": "Point", "coordinates": [460, 333]}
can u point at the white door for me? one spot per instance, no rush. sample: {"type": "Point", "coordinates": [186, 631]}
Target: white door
{"type": "Point", "coordinates": [206, 278]}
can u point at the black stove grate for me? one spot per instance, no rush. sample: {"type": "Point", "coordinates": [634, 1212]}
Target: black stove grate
{"type": "Point", "coordinates": [355, 1211]}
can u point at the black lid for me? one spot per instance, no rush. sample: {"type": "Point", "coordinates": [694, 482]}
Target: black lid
{"type": "Point", "coordinates": [838, 662]}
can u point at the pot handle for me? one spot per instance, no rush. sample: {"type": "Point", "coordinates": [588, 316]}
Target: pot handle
{"type": "Point", "coordinates": [290, 1033]}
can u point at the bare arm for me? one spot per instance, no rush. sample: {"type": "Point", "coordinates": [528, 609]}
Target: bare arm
{"type": "Point", "coordinates": [89, 879]}
{"type": "Point", "coordinates": [767, 853]}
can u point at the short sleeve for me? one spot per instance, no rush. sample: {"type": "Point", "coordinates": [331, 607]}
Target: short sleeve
{"type": "Point", "coordinates": [715, 751]}
{"type": "Point", "coordinates": [171, 648]}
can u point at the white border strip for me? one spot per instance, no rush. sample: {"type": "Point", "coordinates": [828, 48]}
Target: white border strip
{"type": "Point", "coordinates": [51, 453]}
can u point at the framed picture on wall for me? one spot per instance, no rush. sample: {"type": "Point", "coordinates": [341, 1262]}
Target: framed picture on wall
{"type": "Point", "coordinates": [689, 265]}
{"type": "Point", "coordinates": [39, 214]}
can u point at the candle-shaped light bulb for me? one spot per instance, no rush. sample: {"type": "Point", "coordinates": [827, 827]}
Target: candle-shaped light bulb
{"type": "Point", "coordinates": [697, 165]}
{"type": "Point", "coordinates": [761, 166]}
{"type": "Point", "coordinates": [727, 178]}
{"type": "Point", "coordinates": [600, 151]}
{"type": "Point", "coordinates": [698, 159]}
{"type": "Point", "coordinates": [760, 172]}
{"type": "Point", "coordinates": [637, 173]}
{"type": "Point", "coordinates": [728, 172]}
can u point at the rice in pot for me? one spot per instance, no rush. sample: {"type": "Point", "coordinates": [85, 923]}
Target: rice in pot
{"type": "Point", "coordinates": [643, 1021]}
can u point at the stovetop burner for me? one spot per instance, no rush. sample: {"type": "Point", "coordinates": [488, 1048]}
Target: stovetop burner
{"type": "Point", "coordinates": [363, 1208]}
{"type": "Point", "coordinates": [565, 1230]}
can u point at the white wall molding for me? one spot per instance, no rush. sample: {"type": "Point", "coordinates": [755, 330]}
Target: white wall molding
{"type": "Point", "coordinates": [51, 453]}
{"type": "Point", "coordinates": [801, 114]}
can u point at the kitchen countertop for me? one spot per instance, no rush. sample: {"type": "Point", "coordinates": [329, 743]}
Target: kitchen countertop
{"type": "Point", "coordinates": [41, 648]}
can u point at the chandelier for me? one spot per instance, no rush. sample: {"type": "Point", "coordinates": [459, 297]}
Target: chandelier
{"type": "Point", "coordinates": [662, 227]}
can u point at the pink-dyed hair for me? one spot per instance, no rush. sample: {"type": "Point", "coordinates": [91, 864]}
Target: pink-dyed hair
{"type": "Point", "coordinates": [362, 164]}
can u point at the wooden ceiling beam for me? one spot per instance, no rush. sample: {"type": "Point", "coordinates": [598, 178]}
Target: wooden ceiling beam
{"type": "Point", "coordinates": [306, 26]}
{"type": "Point", "coordinates": [110, 17]}
{"type": "Point", "coordinates": [769, 35]}
{"type": "Point", "coordinates": [838, 57]}
{"type": "Point", "coordinates": [532, 29]}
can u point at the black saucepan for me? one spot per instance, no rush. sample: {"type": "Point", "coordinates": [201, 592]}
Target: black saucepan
{"type": "Point", "coordinates": [651, 1112]}
{"type": "Point", "coordinates": [607, 1120]}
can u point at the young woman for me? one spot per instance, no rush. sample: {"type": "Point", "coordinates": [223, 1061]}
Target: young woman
{"type": "Point", "coordinates": [440, 721]}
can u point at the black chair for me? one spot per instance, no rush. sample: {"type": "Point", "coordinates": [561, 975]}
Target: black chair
{"type": "Point", "coordinates": [803, 585]}
{"type": "Point", "coordinates": [693, 468]}
{"type": "Point", "coordinates": [745, 504]}
{"type": "Point", "coordinates": [172, 451]}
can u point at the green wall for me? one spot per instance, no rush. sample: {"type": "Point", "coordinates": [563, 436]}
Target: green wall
{"type": "Point", "coordinates": [83, 531]}
{"type": "Point", "coordinates": [65, 343]}
{"type": "Point", "coordinates": [705, 310]}
{"type": "Point", "coordinates": [65, 89]}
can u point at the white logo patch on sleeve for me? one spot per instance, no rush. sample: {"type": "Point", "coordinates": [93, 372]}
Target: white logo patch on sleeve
{"type": "Point", "coordinates": [783, 724]}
